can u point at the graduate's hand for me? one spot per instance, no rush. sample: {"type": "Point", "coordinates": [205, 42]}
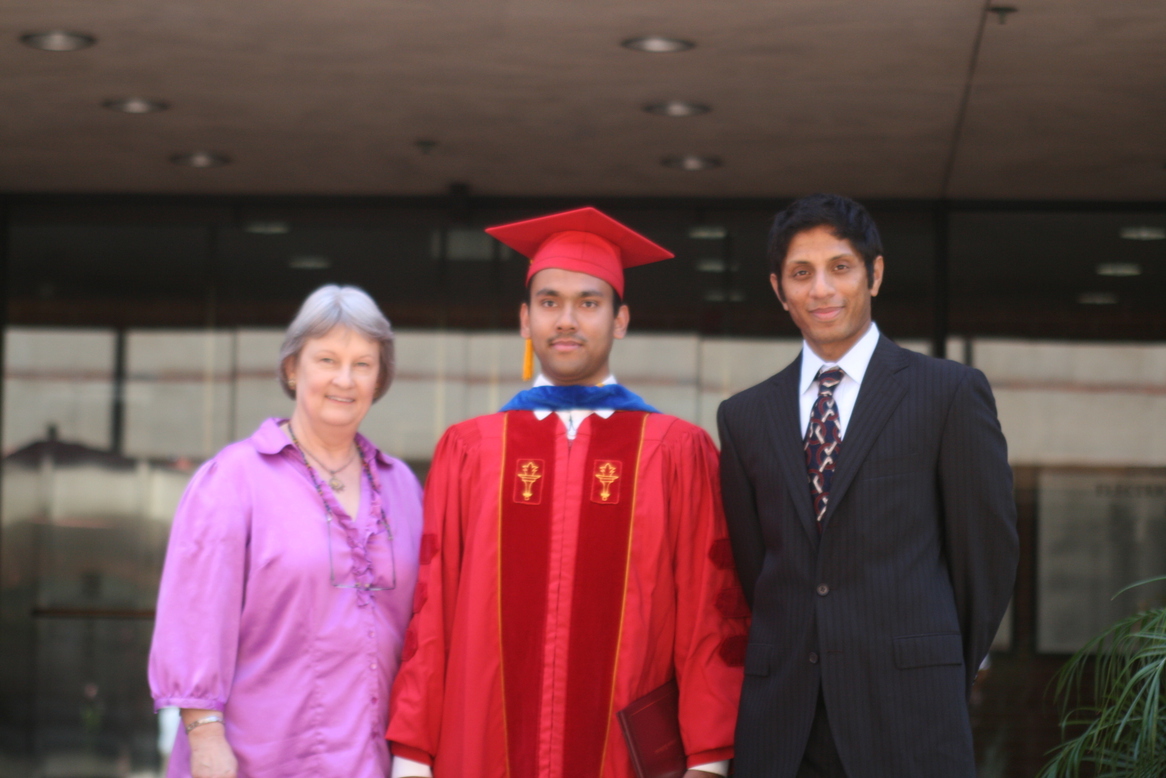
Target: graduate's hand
{"type": "Point", "coordinates": [210, 753]}
{"type": "Point", "coordinates": [699, 774]}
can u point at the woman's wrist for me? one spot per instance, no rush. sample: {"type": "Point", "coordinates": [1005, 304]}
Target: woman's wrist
{"type": "Point", "coordinates": [201, 724]}
{"type": "Point", "coordinates": [214, 718]}
{"type": "Point", "coordinates": [210, 733]}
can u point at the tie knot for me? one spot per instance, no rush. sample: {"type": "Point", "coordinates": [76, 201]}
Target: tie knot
{"type": "Point", "coordinates": [828, 379]}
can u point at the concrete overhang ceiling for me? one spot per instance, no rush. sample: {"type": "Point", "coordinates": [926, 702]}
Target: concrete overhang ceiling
{"type": "Point", "coordinates": [877, 98]}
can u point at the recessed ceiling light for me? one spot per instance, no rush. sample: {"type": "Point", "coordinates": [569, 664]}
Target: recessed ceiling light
{"type": "Point", "coordinates": [712, 265]}
{"type": "Point", "coordinates": [1143, 232]}
{"type": "Point", "coordinates": [1119, 269]}
{"type": "Point", "coordinates": [657, 44]}
{"type": "Point", "coordinates": [267, 228]}
{"type": "Point", "coordinates": [201, 159]}
{"type": "Point", "coordinates": [691, 162]}
{"type": "Point", "coordinates": [677, 108]}
{"type": "Point", "coordinates": [309, 263]}
{"type": "Point", "coordinates": [719, 296]}
{"type": "Point", "coordinates": [1097, 298]}
{"type": "Point", "coordinates": [1002, 12]}
{"type": "Point", "coordinates": [707, 232]}
{"type": "Point", "coordinates": [136, 105]}
{"type": "Point", "coordinates": [58, 40]}
{"type": "Point", "coordinates": [463, 244]}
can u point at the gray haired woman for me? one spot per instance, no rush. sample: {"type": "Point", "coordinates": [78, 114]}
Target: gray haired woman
{"type": "Point", "coordinates": [288, 581]}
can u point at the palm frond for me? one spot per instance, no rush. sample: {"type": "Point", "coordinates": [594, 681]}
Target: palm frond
{"type": "Point", "coordinates": [1122, 719]}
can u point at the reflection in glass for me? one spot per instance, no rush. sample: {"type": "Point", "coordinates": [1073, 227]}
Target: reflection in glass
{"type": "Point", "coordinates": [84, 532]}
{"type": "Point", "coordinates": [1100, 531]}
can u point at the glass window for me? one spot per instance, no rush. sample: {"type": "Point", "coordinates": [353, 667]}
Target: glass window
{"type": "Point", "coordinates": [1100, 531]}
{"type": "Point", "coordinates": [142, 336]}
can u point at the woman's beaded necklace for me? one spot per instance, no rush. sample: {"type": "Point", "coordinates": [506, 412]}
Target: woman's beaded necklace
{"type": "Point", "coordinates": [335, 482]}
{"type": "Point", "coordinates": [384, 519]}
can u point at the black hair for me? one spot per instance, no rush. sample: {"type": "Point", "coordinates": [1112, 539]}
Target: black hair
{"type": "Point", "coordinates": [616, 300]}
{"type": "Point", "coordinates": [844, 217]}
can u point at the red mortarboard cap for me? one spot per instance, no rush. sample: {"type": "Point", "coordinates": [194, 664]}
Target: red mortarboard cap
{"type": "Point", "coordinates": [584, 241]}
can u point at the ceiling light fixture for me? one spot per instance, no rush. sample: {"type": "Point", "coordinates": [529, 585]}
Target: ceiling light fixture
{"type": "Point", "coordinates": [267, 228]}
{"type": "Point", "coordinates": [1002, 12]}
{"type": "Point", "coordinates": [58, 40]}
{"type": "Point", "coordinates": [657, 44]}
{"type": "Point", "coordinates": [719, 296]}
{"type": "Point", "coordinates": [1119, 269]}
{"type": "Point", "coordinates": [677, 108]}
{"type": "Point", "coordinates": [713, 265]}
{"type": "Point", "coordinates": [707, 232]}
{"type": "Point", "coordinates": [201, 159]}
{"type": "Point", "coordinates": [136, 105]}
{"type": "Point", "coordinates": [463, 244]}
{"type": "Point", "coordinates": [309, 263]}
{"type": "Point", "coordinates": [1097, 298]}
{"type": "Point", "coordinates": [1143, 232]}
{"type": "Point", "coordinates": [691, 162]}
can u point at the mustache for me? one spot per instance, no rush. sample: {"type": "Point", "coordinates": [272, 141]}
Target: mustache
{"type": "Point", "coordinates": [579, 341]}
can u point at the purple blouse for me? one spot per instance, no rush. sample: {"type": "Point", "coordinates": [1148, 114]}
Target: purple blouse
{"type": "Point", "coordinates": [249, 622]}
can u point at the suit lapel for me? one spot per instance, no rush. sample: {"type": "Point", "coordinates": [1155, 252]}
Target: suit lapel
{"type": "Point", "coordinates": [785, 421]}
{"type": "Point", "coordinates": [878, 396]}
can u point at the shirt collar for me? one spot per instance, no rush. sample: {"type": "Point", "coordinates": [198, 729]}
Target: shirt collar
{"type": "Point", "coordinates": [270, 439]}
{"type": "Point", "coordinates": [542, 380]}
{"type": "Point", "coordinates": [603, 413]}
{"type": "Point", "coordinates": [854, 362]}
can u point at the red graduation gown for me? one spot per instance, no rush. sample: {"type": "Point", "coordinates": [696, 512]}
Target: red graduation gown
{"type": "Point", "coordinates": [559, 582]}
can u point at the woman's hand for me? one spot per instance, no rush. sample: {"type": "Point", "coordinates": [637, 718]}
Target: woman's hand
{"type": "Point", "coordinates": [210, 753]}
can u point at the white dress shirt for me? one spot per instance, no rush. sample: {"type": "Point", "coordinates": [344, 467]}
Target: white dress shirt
{"type": "Point", "coordinates": [574, 417]}
{"type": "Point", "coordinates": [853, 364]}
{"type": "Point", "coordinates": [403, 768]}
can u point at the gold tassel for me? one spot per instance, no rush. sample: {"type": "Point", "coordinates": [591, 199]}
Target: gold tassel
{"type": "Point", "coordinates": [528, 361]}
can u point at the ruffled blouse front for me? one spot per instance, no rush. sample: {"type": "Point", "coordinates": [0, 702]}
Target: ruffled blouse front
{"type": "Point", "coordinates": [364, 577]}
{"type": "Point", "coordinates": [250, 623]}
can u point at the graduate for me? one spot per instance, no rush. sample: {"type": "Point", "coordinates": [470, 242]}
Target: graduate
{"type": "Point", "coordinates": [575, 555]}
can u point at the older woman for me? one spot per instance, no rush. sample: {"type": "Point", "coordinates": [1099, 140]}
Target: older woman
{"type": "Point", "coordinates": [289, 577]}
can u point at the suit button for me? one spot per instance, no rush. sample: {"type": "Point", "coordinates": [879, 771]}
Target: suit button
{"type": "Point", "coordinates": [813, 657]}
{"type": "Point", "coordinates": [823, 589]}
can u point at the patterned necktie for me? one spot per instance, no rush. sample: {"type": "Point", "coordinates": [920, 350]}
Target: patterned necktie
{"type": "Point", "coordinates": [823, 441]}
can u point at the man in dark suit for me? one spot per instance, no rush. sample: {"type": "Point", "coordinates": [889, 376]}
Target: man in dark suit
{"type": "Point", "coordinates": [869, 501]}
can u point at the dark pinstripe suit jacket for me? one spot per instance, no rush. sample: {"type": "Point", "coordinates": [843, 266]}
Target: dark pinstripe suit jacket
{"type": "Point", "coordinates": [892, 607]}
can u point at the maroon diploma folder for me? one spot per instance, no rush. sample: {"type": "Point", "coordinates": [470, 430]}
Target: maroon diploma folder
{"type": "Point", "coordinates": [651, 727]}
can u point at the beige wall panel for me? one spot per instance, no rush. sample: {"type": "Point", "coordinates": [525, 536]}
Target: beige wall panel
{"type": "Point", "coordinates": [728, 366]}
{"type": "Point", "coordinates": [1121, 364]}
{"type": "Point", "coordinates": [163, 490]}
{"type": "Point", "coordinates": [257, 399]}
{"type": "Point", "coordinates": [918, 346]}
{"type": "Point", "coordinates": [176, 418]}
{"type": "Point", "coordinates": [427, 396]}
{"type": "Point", "coordinates": [178, 393]}
{"type": "Point", "coordinates": [257, 350]}
{"type": "Point", "coordinates": [257, 393]}
{"type": "Point", "coordinates": [663, 369]}
{"type": "Point", "coordinates": [1076, 403]}
{"type": "Point", "coordinates": [1078, 428]}
{"type": "Point", "coordinates": [82, 494]}
{"type": "Point", "coordinates": [493, 371]}
{"type": "Point", "coordinates": [59, 377]}
{"type": "Point", "coordinates": [23, 496]}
